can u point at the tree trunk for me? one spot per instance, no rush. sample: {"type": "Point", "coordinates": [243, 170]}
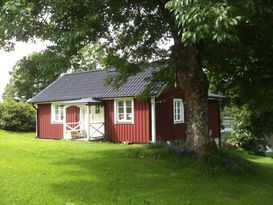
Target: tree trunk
{"type": "Point", "coordinates": [194, 84]}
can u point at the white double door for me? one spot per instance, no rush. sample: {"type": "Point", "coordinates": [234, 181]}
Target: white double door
{"type": "Point", "coordinates": [96, 121]}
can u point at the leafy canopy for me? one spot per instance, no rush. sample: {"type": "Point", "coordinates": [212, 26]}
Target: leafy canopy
{"type": "Point", "coordinates": [201, 20]}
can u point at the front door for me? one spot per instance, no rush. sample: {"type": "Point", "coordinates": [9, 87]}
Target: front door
{"type": "Point", "coordinates": [96, 119]}
{"type": "Point", "coordinates": [72, 125]}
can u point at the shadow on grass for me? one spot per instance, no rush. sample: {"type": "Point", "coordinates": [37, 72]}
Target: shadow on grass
{"type": "Point", "coordinates": [137, 176]}
{"type": "Point", "coordinates": [111, 176]}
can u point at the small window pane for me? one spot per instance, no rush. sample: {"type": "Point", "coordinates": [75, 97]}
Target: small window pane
{"type": "Point", "coordinates": [178, 110]}
{"type": "Point", "coordinates": [121, 110]}
{"type": "Point", "coordinates": [121, 116]}
{"type": "Point", "coordinates": [178, 116]}
{"type": "Point", "coordinates": [120, 104]}
{"type": "Point", "coordinates": [178, 106]}
{"type": "Point", "coordinates": [129, 110]}
{"type": "Point", "coordinates": [128, 103]}
{"type": "Point", "coordinates": [97, 109]}
{"type": "Point", "coordinates": [129, 116]}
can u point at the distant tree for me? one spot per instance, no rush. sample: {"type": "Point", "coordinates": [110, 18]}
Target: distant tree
{"type": "Point", "coordinates": [35, 72]}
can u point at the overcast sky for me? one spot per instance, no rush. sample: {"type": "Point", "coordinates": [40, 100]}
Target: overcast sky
{"type": "Point", "coordinates": [9, 59]}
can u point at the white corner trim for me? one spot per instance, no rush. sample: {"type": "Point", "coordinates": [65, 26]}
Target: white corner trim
{"type": "Point", "coordinates": [153, 120]}
{"type": "Point", "coordinates": [115, 112]}
{"type": "Point", "coordinates": [88, 122]}
{"type": "Point", "coordinates": [64, 125]}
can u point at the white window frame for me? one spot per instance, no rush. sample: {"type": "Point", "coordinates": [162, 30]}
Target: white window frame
{"type": "Point", "coordinates": [175, 110]}
{"type": "Point", "coordinates": [125, 121]}
{"type": "Point", "coordinates": [53, 114]}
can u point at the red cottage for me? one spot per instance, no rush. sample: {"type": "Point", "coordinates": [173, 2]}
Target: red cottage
{"type": "Point", "coordinates": [79, 105]}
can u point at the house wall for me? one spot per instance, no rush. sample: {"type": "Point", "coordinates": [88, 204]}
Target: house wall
{"type": "Point", "coordinates": [139, 132]}
{"type": "Point", "coordinates": [165, 127]}
{"type": "Point", "coordinates": [214, 118]}
{"type": "Point", "coordinates": [47, 130]}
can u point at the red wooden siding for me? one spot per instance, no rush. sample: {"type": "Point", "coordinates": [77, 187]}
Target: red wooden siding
{"type": "Point", "coordinates": [165, 127]}
{"type": "Point", "coordinates": [72, 115]}
{"type": "Point", "coordinates": [139, 132]}
{"type": "Point", "coordinates": [47, 130]}
{"type": "Point", "coordinates": [214, 118]}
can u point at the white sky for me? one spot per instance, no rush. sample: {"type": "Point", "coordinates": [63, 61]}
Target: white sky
{"type": "Point", "coordinates": [9, 59]}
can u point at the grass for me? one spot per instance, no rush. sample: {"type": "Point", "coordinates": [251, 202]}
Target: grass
{"type": "Point", "coordinates": [51, 172]}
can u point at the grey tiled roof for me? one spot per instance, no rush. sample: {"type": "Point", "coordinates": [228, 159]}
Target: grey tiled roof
{"type": "Point", "coordinates": [91, 84]}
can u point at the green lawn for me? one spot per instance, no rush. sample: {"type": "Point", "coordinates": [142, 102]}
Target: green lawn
{"type": "Point", "coordinates": [51, 172]}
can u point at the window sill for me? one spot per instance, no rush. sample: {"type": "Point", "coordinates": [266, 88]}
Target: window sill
{"type": "Point", "coordinates": [178, 122]}
{"type": "Point", "coordinates": [57, 123]}
{"type": "Point", "coordinates": [122, 123]}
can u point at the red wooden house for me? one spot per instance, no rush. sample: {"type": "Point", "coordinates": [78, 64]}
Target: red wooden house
{"type": "Point", "coordinates": [79, 105]}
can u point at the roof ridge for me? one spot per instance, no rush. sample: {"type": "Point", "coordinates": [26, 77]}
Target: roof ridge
{"type": "Point", "coordinates": [88, 71]}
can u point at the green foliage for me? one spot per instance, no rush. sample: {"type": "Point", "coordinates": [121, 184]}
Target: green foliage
{"type": "Point", "coordinates": [250, 130]}
{"type": "Point", "coordinates": [129, 32]}
{"type": "Point", "coordinates": [88, 58]}
{"type": "Point", "coordinates": [17, 116]}
{"type": "Point", "coordinates": [204, 21]}
{"type": "Point", "coordinates": [243, 72]}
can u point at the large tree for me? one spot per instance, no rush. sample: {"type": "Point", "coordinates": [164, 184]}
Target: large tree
{"type": "Point", "coordinates": [133, 34]}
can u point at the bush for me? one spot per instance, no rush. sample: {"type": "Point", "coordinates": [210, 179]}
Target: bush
{"type": "Point", "coordinates": [250, 130]}
{"type": "Point", "coordinates": [17, 116]}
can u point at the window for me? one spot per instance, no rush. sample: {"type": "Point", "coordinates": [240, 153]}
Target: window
{"type": "Point", "coordinates": [57, 113]}
{"type": "Point", "coordinates": [178, 111]}
{"type": "Point", "coordinates": [97, 109]}
{"type": "Point", "coordinates": [124, 111]}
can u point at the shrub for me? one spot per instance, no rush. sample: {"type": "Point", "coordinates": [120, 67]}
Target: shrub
{"type": "Point", "coordinates": [250, 130]}
{"type": "Point", "coordinates": [17, 116]}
